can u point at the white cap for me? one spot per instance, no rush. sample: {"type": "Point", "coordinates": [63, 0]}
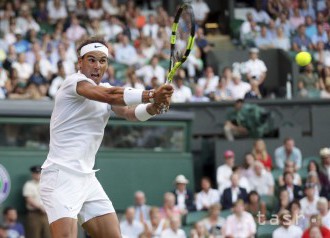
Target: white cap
{"type": "Point", "coordinates": [181, 179]}
{"type": "Point", "coordinates": [324, 151]}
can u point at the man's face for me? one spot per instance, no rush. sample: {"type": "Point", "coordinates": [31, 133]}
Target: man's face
{"type": "Point", "coordinates": [36, 176]}
{"type": "Point", "coordinates": [93, 65]}
{"type": "Point", "coordinates": [181, 186]}
{"type": "Point", "coordinates": [130, 214]}
{"type": "Point", "coordinates": [139, 199]}
{"type": "Point", "coordinates": [205, 184]}
{"type": "Point", "coordinates": [11, 216]}
{"type": "Point", "coordinates": [289, 145]}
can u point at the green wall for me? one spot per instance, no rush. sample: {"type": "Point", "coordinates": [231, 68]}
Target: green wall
{"type": "Point", "coordinates": [121, 173]}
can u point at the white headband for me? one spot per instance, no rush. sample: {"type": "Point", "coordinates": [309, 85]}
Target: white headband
{"type": "Point", "coordinates": [94, 47]}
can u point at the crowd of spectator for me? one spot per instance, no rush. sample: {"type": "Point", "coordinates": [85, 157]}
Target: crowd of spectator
{"type": "Point", "coordinates": [242, 192]}
{"type": "Point", "coordinates": [294, 26]}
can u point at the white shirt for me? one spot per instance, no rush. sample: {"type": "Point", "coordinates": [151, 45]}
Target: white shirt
{"type": "Point", "coordinates": [169, 233]}
{"type": "Point", "coordinates": [181, 199]}
{"type": "Point", "coordinates": [76, 127]}
{"type": "Point", "coordinates": [238, 91]}
{"type": "Point", "coordinates": [308, 208]}
{"type": "Point", "coordinates": [223, 175]}
{"type": "Point", "coordinates": [147, 72]}
{"type": "Point", "coordinates": [201, 9]}
{"type": "Point", "coordinates": [31, 190]}
{"type": "Point", "coordinates": [131, 230]}
{"type": "Point", "coordinates": [240, 227]}
{"type": "Point", "coordinates": [255, 67]}
{"type": "Point", "coordinates": [150, 30]}
{"type": "Point", "coordinates": [207, 198]}
{"type": "Point", "coordinates": [24, 71]}
{"type": "Point", "coordinates": [234, 194]}
{"type": "Point", "coordinates": [326, 220]}
{"type": "Point", "coordinates": [182, 94]}
{"type": "Point", "coordinates": [56, 13]}
{"type": "Point", "coordinates": [56, 83]}
{"type": "Point", "coordinates": [261, 16]}
{"type": "Point", "coordinates": [292, 232]}
{"type": "Point", "coordinates": [243, 183]}
{"type": "Point", "coordinates": [211, 86]}
{"type": "Point", "coordinates": [262, 183]}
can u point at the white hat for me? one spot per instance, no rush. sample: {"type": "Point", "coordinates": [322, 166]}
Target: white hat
{"type": "Point", "coordinates": [254, 50]}
{"type": "Point", "coordinates": [324, 152]}
{"type": "Point", "coordinates": [181, 179]}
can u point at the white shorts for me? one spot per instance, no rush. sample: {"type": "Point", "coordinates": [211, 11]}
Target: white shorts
{"type": "Point", "coordinates": [68, 194]}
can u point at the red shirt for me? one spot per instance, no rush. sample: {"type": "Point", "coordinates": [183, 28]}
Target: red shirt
{"type": "Point", "coordinates": [267, 163]}
{"type": "Point", "coordinates": [325, 232]}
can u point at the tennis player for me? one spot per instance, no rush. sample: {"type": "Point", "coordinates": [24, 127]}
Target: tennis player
{"type": "Point", "coordinates": [68, 186]}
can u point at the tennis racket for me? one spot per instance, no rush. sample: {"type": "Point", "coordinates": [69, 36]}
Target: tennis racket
{"type": "Point", "coordinates": [182, 40]}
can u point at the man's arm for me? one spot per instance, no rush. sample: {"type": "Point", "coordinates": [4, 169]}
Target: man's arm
{"type": "Point", "coordinates": [116, 95]}
{"type": "Point", "coordinates": [129, 113]}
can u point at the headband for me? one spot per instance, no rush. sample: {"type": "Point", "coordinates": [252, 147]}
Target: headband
{"type": "Point", "coordinates": [94, 47]}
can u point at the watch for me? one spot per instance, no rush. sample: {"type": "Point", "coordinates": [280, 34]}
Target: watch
{"type": "Point", "coordinates": [151, 96]}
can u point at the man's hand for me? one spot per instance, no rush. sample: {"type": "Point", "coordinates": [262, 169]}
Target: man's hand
{"type": "Point", "coordinates": [163, 94]}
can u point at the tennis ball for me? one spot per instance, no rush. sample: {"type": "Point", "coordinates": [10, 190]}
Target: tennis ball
{"type": "Point", "coordinates": [303, 58]}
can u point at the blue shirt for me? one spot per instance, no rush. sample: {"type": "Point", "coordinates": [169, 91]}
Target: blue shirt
{"type": "Point", "coordinates": [311, 30]}
{"type": "Point", "coordinates": [281, 157]}
{"type": "Point", "coordinates": [16, 231]}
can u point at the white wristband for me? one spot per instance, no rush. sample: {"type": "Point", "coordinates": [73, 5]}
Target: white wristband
{"type": "Point", "coordinates": [132, 96]}
{"type": "Point", "coordinates": [141, 112]}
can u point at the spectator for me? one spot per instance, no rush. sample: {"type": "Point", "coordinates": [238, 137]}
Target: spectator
{"type": "Point", "coordinates": [241, 223]}
{"type": "Point", "coordinates": [151, 27]}
{"type": "Point", "coordinates": [203, 44]}
{"type": "Point", "coordinates": [254, 93]}
{"type": "Point", "coordinates": [198, 231]}
{"type": "Point", "coordinates": [287, 229]}
{"type": "Point", "coordinates": [182, 93]}
{"type": "Point", "coordinates": [295, 191]}
{"type": "Point", "coordinates": [313, 179]}
{"type": "Point", "coordinates": [221, 93]}
{"type": "Point", "coordinates": [282, 21]}
{"type": "Point", "coordinates": [274, 7]}
{"type": "Point", "coordinates": [297, 217]}
{"type": "Point", "coordinates": [184, 198]}
{"type": "Point", "coordinates": [248, 31]}
{"type": "Point", "coordinates": [260, 153]}
{"type": "Point", "coordinates": [207, 196]}
{"type": "Point", "coordinates": [315, 232]}
{"type": "Point", "coordinates": [56, 11]}
{"type": "Point", "coordinates": [141, 209]}
{"type": "Point", "coordinates": [306, 9]}
{"type": "Point", "coordinates": [3, 231]}
{"type": "Point", "coordinates": [264, 40]}
{"type": "Point", "coordinates": [320, 35]}
{"type": "Point", "coordinates": [156, 225]}
{"type": "Point", "coordinates": [214, 223]}
{"type": "Point", "coordinates": [209, 82]}
{"type": "Point", "coordinates": [323, 210]}
{"type": "Point", "coordinates": [256, 69]}
{"type": "Point", "coordinates": [325, 165]}
{"type": "Point", "coordinates": [290, 167]}
{"type": "Point", "coordinates": [262, 180]}
{"type": "Point", "coordinates": [37, 223]}
{"type": "Point", "coordinates": [199, 95]}
{"type": "Point", "coordinates": [281, 41]}
{"type": "Point", "coordinates": [234, 193]}
{"type": "Point", "coordinates": [308, 82]}
{"type": "Point", "coordinates": [301, 42]}
{"type": "Point", "coordinates": [112, 27]}
{"type": "Point", "coordinates": [310, 27]}
{"type": "Point", "coordinates": [316, 221]}
{"type": "Point", "coordinates": [57, 81]}
{"type": "Point", "coordinates": [283, 201]}
{"type": "Point", "coordinates": [125, 53]}
{"type": "Point", "coordinates": [23, 69]}
{"type": "Point", "coordinates": [296, 19]}
{"type": "Point", "coordinates": [132, 79]}
{"type": "Point", "coordinates": [259, 15]}
{"type": "Point", "coordinates": [5, 84]}
{"type": "Point", "coordinates": [95, 10]}
{"type": "Point", "coordinates": [15, 228]}
{"type": "Point", "coordinates": [288, 151]}
{"type": "Point", "coordinates": [256, 207]}
{"type": "Point", "coordinates": [21, 45]}
{"type": "Point", "coordinates": [75, 31]}
{"type": "Point", "coordinates": [309, 202]}
{"type": "Point", "coordinates": [272, 29]}
{"type": "Point", "coordinates": [174, 231]}
{"type": "Point", "coordinates": [169, 208]}
{"type": "Point", "coordinates": [152, 70]}
{"type": "Point", "coordinates": [237, 87]}
{"type": "Point", "coordinates": [201, 11]}
{"type": "Point", "coordinates": [325, 80]}
{"type": "Point", "coordinates": [248, 165]}
{"type": "Point", "coordinates": [225, 171]}
{"type": "Point", "coordinates": [130, 227]}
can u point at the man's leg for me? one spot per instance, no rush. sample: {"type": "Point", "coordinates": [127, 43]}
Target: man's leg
{"type": "Point", "coordinates": [64, 228]}
{"type": "Point", "coordinates": [104, 226]}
